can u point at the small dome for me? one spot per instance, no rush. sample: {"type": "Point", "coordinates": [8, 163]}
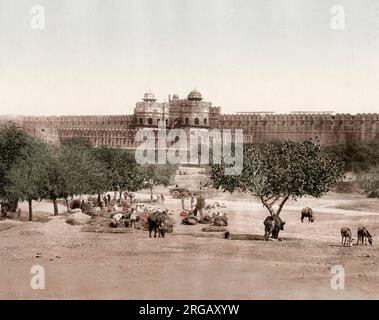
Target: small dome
{"type": "Point", "coordinates": [195, 95]}
{"type": "Point", "coordinates": [175, 97]}
{"type": "Point", "coordinates": [149, 96]}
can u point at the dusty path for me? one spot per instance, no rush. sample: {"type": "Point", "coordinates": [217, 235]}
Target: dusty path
{"type": "Point", "coordinates": [190, 264]}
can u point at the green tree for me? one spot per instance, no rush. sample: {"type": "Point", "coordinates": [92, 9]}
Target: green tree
{"type": "Point", "coordinates": [12, 143]}
{"type": "Point", "coordinates": [157, 175]}
{"type": "Point", "coordinates": [120, 168]}
{"type": "Point", "coordinates": [54, 183]}
{"type": "Point", "coordinates": [81, 172]}
{"type": "Point", "coordinates": [26, 177]}
{"type": "Point", "coordinates": [357, 157]}
{"type": "Point", "coordinates": [369, 182]}
{"type": "Point", "coordinates": [276, 172]}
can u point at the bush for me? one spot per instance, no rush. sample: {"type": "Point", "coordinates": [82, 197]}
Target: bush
{"type": "Point", "coordinates": [373, 194]}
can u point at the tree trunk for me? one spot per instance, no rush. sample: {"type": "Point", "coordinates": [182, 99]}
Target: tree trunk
{"type": "Point", "coordinates": [281, 205]}
{"type": "Point", "coordinates": [151, 194]}
{"type": "Point", "coordinates": [30, 210]}
{"type": "Point", "coordinates": [55, 207]}
{"type": "Point", "coordinates": [67, 205]}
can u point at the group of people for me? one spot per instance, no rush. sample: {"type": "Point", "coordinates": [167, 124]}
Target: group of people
{"type": "Point", "coordinates": [159, 198]}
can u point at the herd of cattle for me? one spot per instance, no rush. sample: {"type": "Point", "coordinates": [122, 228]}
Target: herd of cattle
{"type": "Point", "coordinates": [158, 221]}
{"type": "Point", "coordinates": [363, 235]}
{"type": "Point", "coordinates": [274, 224]}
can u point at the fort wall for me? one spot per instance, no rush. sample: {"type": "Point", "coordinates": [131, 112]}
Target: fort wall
{"type": "Point", "coordinates": [192, 112]}
{"type": "Point", "coordinates": [119, 131]}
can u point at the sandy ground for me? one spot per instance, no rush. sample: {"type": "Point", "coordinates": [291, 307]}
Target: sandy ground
{"type": "Point", "coordinates": [191, 264]}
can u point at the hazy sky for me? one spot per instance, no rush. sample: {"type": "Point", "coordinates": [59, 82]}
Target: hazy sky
{"type": "Point", "coordinates": [99, 57]}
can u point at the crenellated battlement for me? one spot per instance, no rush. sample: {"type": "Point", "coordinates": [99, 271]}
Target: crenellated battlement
{"type": "Point", "coordinates": [258, 127]}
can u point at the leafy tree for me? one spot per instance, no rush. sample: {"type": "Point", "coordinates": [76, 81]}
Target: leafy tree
{"type": "Point", "coordinates": [54, 184]}
{"type": "Point", "coordinates": [157, 175]}
{"type": "Point", "coordinates": [357, 157]}
{"type": "Point", "coordinates": [369, 182]}
{"type": "Point", "coordinates": [27, 175]}
{"type": "Point", "coordinates": [77, 142]}
{"type": "Point", "coordinates": [120, 168]}
{"type": "Point", "coordinates": [276, 172]}
{"type": "Point", "coordinates": [129, 173]}
{"type": "Point", "coordinates": [81, 172]}
{"type": "Point", "coordinates": [12, 143]}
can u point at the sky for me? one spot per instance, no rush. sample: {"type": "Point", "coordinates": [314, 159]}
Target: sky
{"type": "Point", "coordinates": [100, 57]}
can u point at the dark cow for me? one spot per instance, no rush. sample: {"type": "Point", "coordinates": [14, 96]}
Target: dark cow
{"type": "Point", "coordinates": [273, 225]}
{"type": "Point", "coordinates": [157, 222]}
{"type": "Point", "coordinates": [307, 213]}
{"type": "Point", "coordinates": [363, 234]}
{"type": "Point", "coordinates": [346, 235]}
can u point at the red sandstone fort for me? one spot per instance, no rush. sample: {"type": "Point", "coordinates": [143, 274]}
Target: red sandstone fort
{"type": "Point", "coordinates": [193, 112]}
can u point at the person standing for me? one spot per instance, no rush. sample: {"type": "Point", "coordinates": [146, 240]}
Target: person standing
{"type": "Point", "coordinates": [133, 218]}
{"type": "Point", "coordinates": [192, 201]}
{"type": "Point", "coordinates": [200, 204]}
{"type": "Point", "coordinates": [162, 198]}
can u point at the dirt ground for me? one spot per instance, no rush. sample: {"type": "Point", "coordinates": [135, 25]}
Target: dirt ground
{"type": "Point", "coordinates": [191, 264]}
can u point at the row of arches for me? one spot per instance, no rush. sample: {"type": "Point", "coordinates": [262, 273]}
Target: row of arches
{"type": "Point", "coordinates": [187, 121]}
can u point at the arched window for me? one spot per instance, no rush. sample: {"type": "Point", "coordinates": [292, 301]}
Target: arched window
{"type": "Point", "coordinates": [197, 121]}
{"type": "Point", "coordinates": [166, 122]}
{"type": "Point", "coordinates": [140, 121]}
{"type": "Point", "coordinates": [205, 121]}
{"type": "Point", "coordinates": [187, 121]}
{"type": "Point", "coordinates": [158, 121]}
{"type": "Point", "coordinates": [150, 121]}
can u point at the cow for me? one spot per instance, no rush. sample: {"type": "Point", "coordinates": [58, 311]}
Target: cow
{"type": "Point", "coordinates": [363, 234]}
{"type": "Point", "coordinates": [273, 225]}
{"type": "Point", "coordinates": [156, 222]}
{"type": "Point", "coordinates": [307, 213]}
{"type": "Point", "coordinates": [346, 237]}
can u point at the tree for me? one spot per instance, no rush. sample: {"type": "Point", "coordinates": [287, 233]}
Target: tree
{"type": "Point", "coordinates": [81, 172]}
{"type": "Point", "coordinates": [26, 176]}
{"type": "Point", "coordinates": [280, 171]}
{"type": "Point", "coordinates": [369, 182]}
{"type": "Point", "coordinates": [157, 175]}
{"type": "Point", "coordinates": [54, 183]}
{"type": "Point", "coordinates": [12, 143]}
{"type": "Point", "coordinates": [357, 157]}
{"type": "Point", "coordinates": [121, 169]}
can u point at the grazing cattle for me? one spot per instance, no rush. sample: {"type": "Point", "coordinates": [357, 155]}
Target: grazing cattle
{"type": "Point", "coordinates": [307, 213]}
{"type": "Point", "coordinates": [156, 221]}
{"type": "Point", "coordinates": [363, 234]}
{"type": "Point", "coordinates": [273, 225]}
{"type": "Point", "coordinates": [346, 237]}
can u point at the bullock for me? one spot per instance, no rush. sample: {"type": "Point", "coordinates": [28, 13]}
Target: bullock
{"type": "Point", "coordinates": [346, 237]}
{"type": "Point", "coordinates": [156, 221]}
{"type": "Point", "coordinates": [273, 225]}
{"type": "Point", "coordinates": [307, 213]}
{"type": "Point", "coordinates": [363, 234]}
